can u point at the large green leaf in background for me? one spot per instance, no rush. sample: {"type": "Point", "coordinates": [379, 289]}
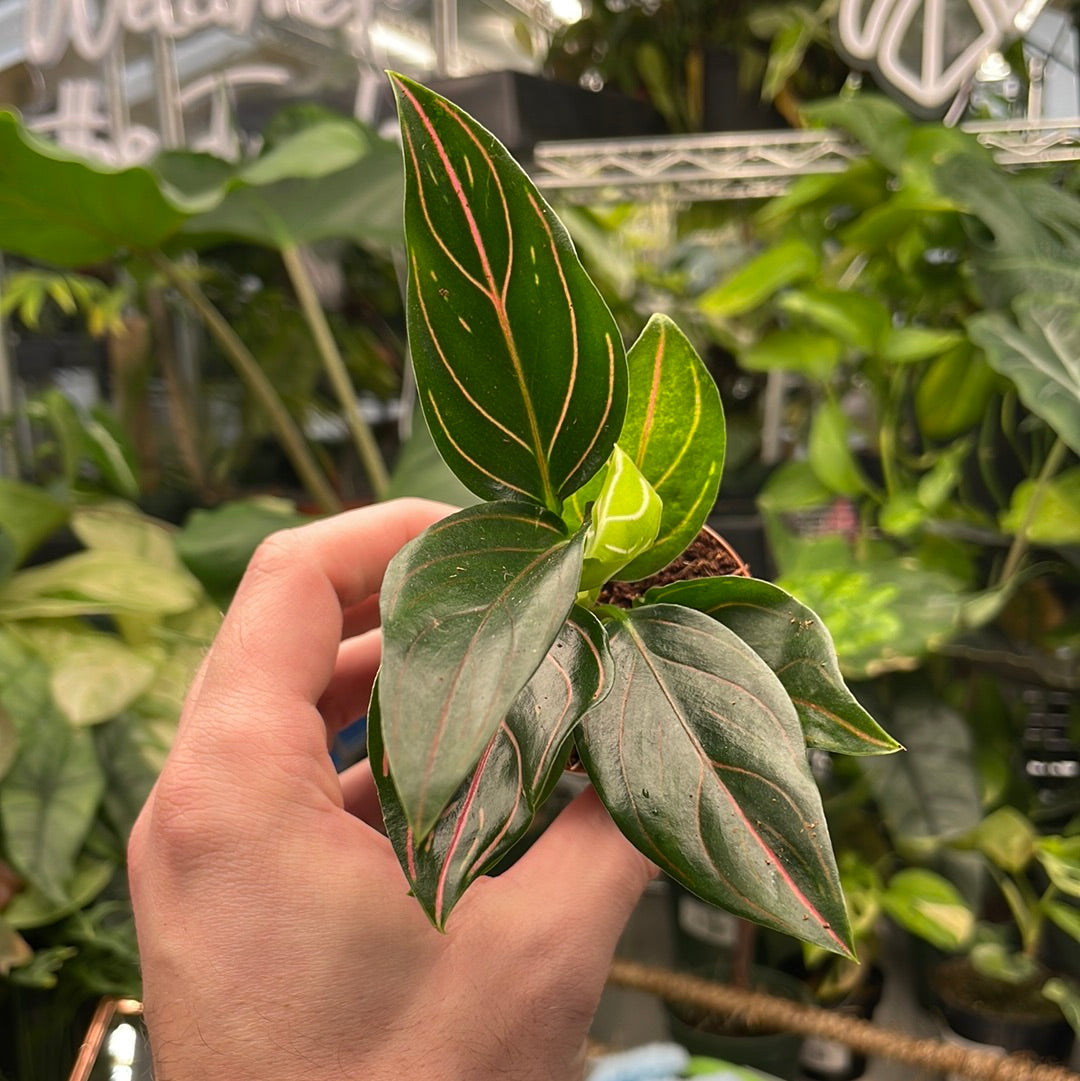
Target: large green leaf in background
{"type": "Point", "coordinates": [701, 760]}
{"type": "Point", "coordinates": [519, 362]}
{"type": "Point", "coordinates": [58, 208]}
{"type": "Point", "coordinates": [1040, 353]}
{"type": "Point", "coordinates": [28, 515]}
{"type": "Point", "coordinates": [795, 644]}
{"type": "Point", "coordinates": [494, 806]}
{"type": "Point", "coordinates": [334, 179]}
{"type": "Point", "coordinates": [469, 610]}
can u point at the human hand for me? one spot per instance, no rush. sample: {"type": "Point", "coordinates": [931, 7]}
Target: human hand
{"type": "Point", "coordinates": [277, 937]}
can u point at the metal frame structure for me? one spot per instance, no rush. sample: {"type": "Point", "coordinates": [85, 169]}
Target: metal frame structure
{"type": "Point", "coordinates": [753, 164]}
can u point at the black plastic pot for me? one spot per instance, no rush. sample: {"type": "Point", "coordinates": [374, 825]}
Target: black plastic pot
{"type": "Point", "coordinates": [776, 1053]}
{"type": "Point", "coordinates": [827, 1060]}
{"type": "Point", "coordinates": [1016, 1019]}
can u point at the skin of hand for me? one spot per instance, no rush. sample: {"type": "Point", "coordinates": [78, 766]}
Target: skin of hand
{"type": "Point", "coordinates": [277, 937]}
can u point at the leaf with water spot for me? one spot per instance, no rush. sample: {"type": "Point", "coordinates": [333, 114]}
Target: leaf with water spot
{"type": "Point", "coordinates": [469, 610]}
{"type": "Point", "coordinates": [699, 756]}
{"type": "Point", "coordinates": [519, 363]}
{"type": "Point", "coordinates": [496, 803]}
{"type": "Point", "coordinates": [796, 645]}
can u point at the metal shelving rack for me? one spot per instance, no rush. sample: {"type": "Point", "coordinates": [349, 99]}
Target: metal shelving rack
{"type": "Point", "coordinates": [753, 164]}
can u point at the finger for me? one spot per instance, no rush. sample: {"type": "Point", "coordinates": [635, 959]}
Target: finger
{"type": "Point", "coordinates": [362, 617]}
{"type": "Point", "coordinates": [278, 645]}
{"type": "Point", "coordinates": [348, 693]}
{"type": "Point", "coordinates": [584, 870]}
{"type": "Point", "coordinates": [360, 795]}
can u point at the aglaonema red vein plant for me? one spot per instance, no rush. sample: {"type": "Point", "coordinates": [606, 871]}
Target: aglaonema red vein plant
{"type": "Point", "coordinates": [692, 708]}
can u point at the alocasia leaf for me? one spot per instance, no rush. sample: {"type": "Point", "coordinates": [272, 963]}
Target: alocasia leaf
{"type": "Point", "coordinates": [699, 756]}
{"type": "Point", "coordinates": [496, 803]}
{"type": "Point", "coordinates": [674, 432]}
{"type": "Point", "coordinates": [519, 363]}
{"type": "Point", "coordinates": [469, 610]}
{"type": "Point", "coordinates": [795, 644]}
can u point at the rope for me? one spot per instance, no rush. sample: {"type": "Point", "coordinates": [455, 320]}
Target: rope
{"type": "Point", "coordinates": [757, 1010]}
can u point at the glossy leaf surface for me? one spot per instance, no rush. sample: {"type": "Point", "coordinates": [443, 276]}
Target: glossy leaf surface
{"type": "Point", "coordinates": [675, 434]}
{"type": "Point", "coordinates": [698, 754]}
{"type": "Point", "coordinates": [795, 644]}
{"type": "Point", "coordinates": [469, 610]}
{"type": "Point", "coordinates": [519, 363]}
{"type": "Point", "coordinates": [496, 803]}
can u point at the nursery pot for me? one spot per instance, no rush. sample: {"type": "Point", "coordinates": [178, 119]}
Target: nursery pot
{"type": "Point", "coordinates": [1014, 1017]}
{"type": "Point", "coordinates": [827, 1060]}
{"type": "Point", "coordinates": [715, 1036]}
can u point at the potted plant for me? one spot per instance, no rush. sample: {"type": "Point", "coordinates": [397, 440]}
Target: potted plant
{"type": "Point", "coordinates": [996, 983]}
{"type": "Point", "coordinates": [548, 621]}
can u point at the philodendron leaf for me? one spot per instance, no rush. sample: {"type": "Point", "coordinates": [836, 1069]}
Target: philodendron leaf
{"type": "Point", "coordinates": [698, 754]}
{"type": "Point", "coordinates": [795, 644]}
{"type": "Point", "coordinates": [519, 363]}
{"type": "Point", "coordinates": [625, 520]}
{"type": "Point", "coordinates": [496, 803]}
{"type": "Point", "coordinates": [469, 610]}
{"type": "Point", "coordinates": [1041, 356]}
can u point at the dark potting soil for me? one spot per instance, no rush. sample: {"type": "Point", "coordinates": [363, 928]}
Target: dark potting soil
{"type": "Point", "coordinates": [708, 556]}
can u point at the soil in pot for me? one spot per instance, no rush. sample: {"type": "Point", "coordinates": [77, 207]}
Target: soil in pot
{"type": "Point", "coordinates": [1009, 1015]}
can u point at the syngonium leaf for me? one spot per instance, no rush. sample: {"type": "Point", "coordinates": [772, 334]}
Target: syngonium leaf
{"type": "Point", "coordinates": [519, 363]}
{"type": "Point", "coordinates": [1040, 353]}
{"type": "Point", "coordinates": [795, 644]}
{"type": "Point", "coordinates": [516, 772]}
{"type": "Point", "coordinates": [469, 610]}
{"type": "Point", "coordinates": [674, 432]}
{"type": "Point", "coordinates": [699, 756]}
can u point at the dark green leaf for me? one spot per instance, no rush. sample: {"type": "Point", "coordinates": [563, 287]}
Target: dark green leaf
{"type": "Point", "coordinates": [469, 610]}
{"type": "Point", "coordinates": [1041, 356]}
{"type": "Point", "coordinates": [495, 804]}
{"type": "Point", "coordinates": [953, 394]}
{"type": "Point", "coordinates": [830, 453]}
{"type": "Point", "coordinates": [698, 754]}
{"type": "Point", "coordinates": [795, 644]}
{"type": "Point", "coordinates": [519, 364]}
{"type": "Point", "coordinates": [878, 123]}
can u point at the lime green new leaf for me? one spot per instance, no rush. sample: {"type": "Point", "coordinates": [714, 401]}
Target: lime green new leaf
{"type": "Point", "coordinates": [953, 393]}
{"type": "Point", "coordinates": [624, 521]}
{"type": "Point", "coordinates": [811, 353]}
{"type": "Point", "coordinates": [1006, 838]}
{"type": "Point", "coordinates": [754, 282]}
{"type": "Point", "coordinates": [96, 678]}
{"type": "Point", "coordinates": [519, 363]}
{"type": "Point", "coordinates": [495, 804]}
{"type": "Point", "coordinates": [1066, 994]}
{"type": "Point", "coordinates": [28, 515]}
{"type": "Point", "coordinates": [698, 754]}
{"type": "Point", "coordinates": [48, 802]}
{"type": "Point", "coordinates": [794, 643]}
{"type": "Point", "coordinates": [1057, 515]}
{"type": "Point", "coordinates": [9, 741]}
{"type": "Point", "coordinates": [57, 208]}
{"type": "Point", "coordinates": [830, 453]}
{"type": "Point", "coordinates": [929, 906]}
{"type": "Point", "coordinates": [907, 345]}
{"type": "Point", "coordinates": [1040, 353]}
{"type": "Point", "coordinates": [1060, 858]}
{"type": "Point", "coordinates": [14, 950]}
{"type": "Point", "coordinates": [469, 610]}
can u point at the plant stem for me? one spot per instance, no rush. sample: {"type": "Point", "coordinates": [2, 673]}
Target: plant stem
{"type": "Point", "coordinates": [256, 381]}
{"type": "Point", "coordinates": [1021, 542]}
{"type": "Point", "coordinates": [338, 374]}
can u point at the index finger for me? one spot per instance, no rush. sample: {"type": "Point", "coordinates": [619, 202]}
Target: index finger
{"type": "Point", "coordinates": [276, 650]}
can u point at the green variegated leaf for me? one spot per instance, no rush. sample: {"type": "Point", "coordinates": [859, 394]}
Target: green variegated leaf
{"type": "Point", "coordinates": [625, 520]}
{"type": "Point", "coordinates": [699, 756]}
{"type": "Point", "coordinates": [519, 362]}
{"type": "Point", "coordinates": [469, 610]}
{"type": "Point", "coordinates": [796, 645]}
{"type": "Point", "coordinates": [496, 803]}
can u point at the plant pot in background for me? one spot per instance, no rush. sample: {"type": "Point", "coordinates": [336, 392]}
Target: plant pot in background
{"type": "Point", "coordinates": [702, 1033]}
{"type": "Point", "coordinates": [1014, 1017]}
{"type": "Point", "coordinates": [826, 1060]}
